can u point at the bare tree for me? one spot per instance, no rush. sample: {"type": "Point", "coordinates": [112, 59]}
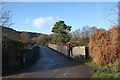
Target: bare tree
{"type": "Point", "coordinates": [81, 37]}
{"type": "Point", "coordinates": [42, 40]}
{"type": "Point", "coordinates": [25, 37]}
{"type": "Point", "coordinates": [119, 13]}
{"type": "Point", "coordinates": [34, 40]}
{"type": "Point", "coordinates": [5, 16]}
{"type": "Point", "coordinates": [76, 33]}
{"type": "Point", "coordinates": [114, 16]}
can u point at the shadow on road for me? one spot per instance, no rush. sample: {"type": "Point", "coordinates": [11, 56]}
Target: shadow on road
{"type": "Point", "coordinates": [49, 60]}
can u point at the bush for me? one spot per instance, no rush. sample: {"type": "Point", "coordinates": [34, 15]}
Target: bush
{"type": "Point", "coordinates": [104, 50]}
{"type": "Point", "coordinates": [104, 46]}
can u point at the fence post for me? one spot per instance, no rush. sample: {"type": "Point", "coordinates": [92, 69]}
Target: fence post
{"type": "Point", "coordinates": [86, 53]}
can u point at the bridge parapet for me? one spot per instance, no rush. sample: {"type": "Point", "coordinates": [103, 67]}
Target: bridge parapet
{"type": "Point", "coordinates": [78, 51]}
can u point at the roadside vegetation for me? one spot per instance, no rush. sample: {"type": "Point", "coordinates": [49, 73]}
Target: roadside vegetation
{"type": "Point", "coordinates": [104, 52]}
{"type": "Point", "coordinates": [103, 46]}
{"type": "Point", "coordinates": [12, 55]}
{"type": "Point", "coordinates": [104, 71]}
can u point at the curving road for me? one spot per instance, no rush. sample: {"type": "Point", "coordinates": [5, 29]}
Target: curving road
{"type": "Point", "coordinates": [53, 65]}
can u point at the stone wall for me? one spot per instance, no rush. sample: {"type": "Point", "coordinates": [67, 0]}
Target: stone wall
{"type": "Point", "coordinates": [12, 55]}
{"type": "Point", "coordinates": [30, 55]}
{"type": "Point", "coordinates": [78, 51]}
{"type": "Point", "coordinates": [59, 48]}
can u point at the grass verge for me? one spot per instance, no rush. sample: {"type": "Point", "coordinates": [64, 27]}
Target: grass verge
{"type": "Point", "coordinates": [105, 71]}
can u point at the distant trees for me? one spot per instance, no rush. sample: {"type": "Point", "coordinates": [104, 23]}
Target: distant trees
{"type": "Point", "coordinates": [81, 37]}
{"type": "Point", "coordinates": [25, 37]}
{"type": "Point", "coordinates": [61, 32]}
{"type": "Point", "coordinates": [51, 38]}
{"type": "Point", "coordinates": [5, 16]}
{"type": "Point", "coordinates": [42, 40]}
{"type": "Point", "coordinates": [34, 40]}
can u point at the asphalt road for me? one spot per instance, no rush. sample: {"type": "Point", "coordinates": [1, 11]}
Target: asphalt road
{"type": "Point", "coordinates": [53, 65]}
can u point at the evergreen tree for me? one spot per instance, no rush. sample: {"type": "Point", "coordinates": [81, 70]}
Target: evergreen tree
{"type": "Point", "coordinates": [61, 32]}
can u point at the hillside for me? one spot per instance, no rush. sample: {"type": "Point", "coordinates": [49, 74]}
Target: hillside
{"type": "Point", "coordinates": [15, 35]}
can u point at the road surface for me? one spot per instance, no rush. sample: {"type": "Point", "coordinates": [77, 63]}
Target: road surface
{"type": "Point", "coordinates": [53, 65]}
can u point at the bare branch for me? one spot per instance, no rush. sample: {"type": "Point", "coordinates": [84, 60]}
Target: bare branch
{"type": "Point", "coordinates": [5, 16]}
